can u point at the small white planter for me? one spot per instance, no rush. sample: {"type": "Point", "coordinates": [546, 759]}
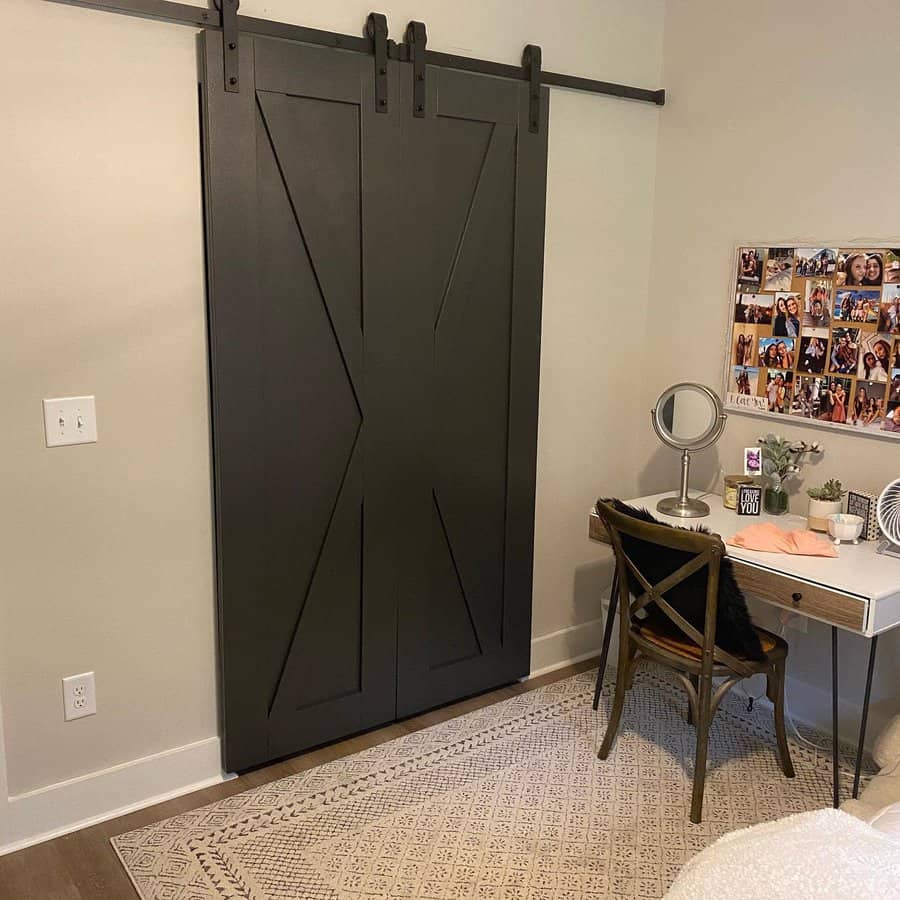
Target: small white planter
{"type": "Point", "coordinates": [819, 510]}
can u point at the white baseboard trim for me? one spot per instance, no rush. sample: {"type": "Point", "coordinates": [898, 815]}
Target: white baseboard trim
{"type": "Point", "coordinates": [811, 705]}
{"type": "Point", "coordinates": [565, 647]}
{"type": "Point", "coordinates": [67, 806]}
{"type": "Point", "coordinates": [808, 704]}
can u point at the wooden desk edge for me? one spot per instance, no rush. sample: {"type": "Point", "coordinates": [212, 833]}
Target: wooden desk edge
{"type": "Point", "coordinates": [830, 606]}
{"type": "Point", "coordinates": [596, 529]}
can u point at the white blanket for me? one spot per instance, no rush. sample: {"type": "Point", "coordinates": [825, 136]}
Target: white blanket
{"type": "Point", "coordinates": [823, 854]}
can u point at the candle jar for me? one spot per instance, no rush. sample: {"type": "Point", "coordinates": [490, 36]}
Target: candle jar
{"type": "Point", "coordinates": [730, 494]}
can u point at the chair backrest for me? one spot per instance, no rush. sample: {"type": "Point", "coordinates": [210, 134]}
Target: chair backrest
{"type": "Point", "coordinates": [702, 550]}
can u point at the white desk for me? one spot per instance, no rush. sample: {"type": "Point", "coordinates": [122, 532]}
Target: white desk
{"type": "Point", "coordinates": [857, 591]}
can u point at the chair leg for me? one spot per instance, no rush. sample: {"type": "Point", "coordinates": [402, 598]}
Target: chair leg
{"type": "Point", "coordinates": [772, 686]}
{"type": "Point", "coordinates": [704, 714]}
{"type": "Point", "coordinates": [632, 667]}
{"type": "Point", "coordinates": [695, 681]}
{"type": "Point", "coordinates": [784, 753]}
{"type": "Point", "coordinates": [607, 637]}
{"type": "Point", "coordinates": [615, 715]}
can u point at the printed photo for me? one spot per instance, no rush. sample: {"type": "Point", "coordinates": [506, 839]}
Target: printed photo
{"type": "Point", "coordinates": [889, 314]}
{"type": "Point", "coordinates": [834, 397]}
{"type": "Point", "coordinates": [787, 315]}
{"type": "Point", "coordinates": [857, 306]}
{"type": "Point", "coordinates": [779, 269]}
{"type": "Point", "coordinates": [752, 460]}
{"type": "Point", "coordinates": [874, 357]}
{"type": "Point", "coordinates": [813, 351]}
{"type": "Point", "coordinates": [776, 353]}
{"type": "Point", "coordinates": [754, 309]}
{"type": "Point", "coordinates": [896, 359]}
{"type": "Point", "coordinates": [893, 391]}
{"type": "Point", "coordinates": [745, 344]}
{"type": "Point", "coordinates": [807, 397]}
{"type": "Point", "coordinates": [844, 351]}
{"type": "Point", "coordinates": [779, 388]}
{"type": "Point", "coordinates": [859, 267]}
{"type": "Point", "coordinates": [750, 266]}
{"type": "Point", "coordinates": [892, 266]}
{"type": "Point", "coordinates": [817, 304]}
{"type": "Point", "coordinates": [889, 317]}
{"type": "Point", "coordinates": [745, 380]}
{"type": "Point", "coordinates": [867, 408]}
{"type": "Point", "coordinates": [892, 418]}
{"type": "Point", "coordinates": [813, 262]}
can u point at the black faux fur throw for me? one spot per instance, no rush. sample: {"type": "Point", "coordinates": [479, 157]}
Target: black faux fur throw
{"type": "Point", "coordinates": [734, 631]}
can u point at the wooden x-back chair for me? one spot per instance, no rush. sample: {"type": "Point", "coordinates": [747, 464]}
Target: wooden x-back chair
{"type": "Point", "coordinates": [696, 659]}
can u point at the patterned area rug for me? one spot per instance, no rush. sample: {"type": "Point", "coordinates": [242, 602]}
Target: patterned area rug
{"type": "Point", "coordinates": [506, 802]}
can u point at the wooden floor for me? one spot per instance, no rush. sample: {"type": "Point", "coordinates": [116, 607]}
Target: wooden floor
{"type": "Point", "coordinates": [83, 866]}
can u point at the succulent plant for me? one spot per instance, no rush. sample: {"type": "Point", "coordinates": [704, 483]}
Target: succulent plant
{"type": "Point", "coordinates": [831, 490]}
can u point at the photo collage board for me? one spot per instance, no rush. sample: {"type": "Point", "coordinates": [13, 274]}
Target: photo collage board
{"type": "Point", "coordinates": [814, 334]}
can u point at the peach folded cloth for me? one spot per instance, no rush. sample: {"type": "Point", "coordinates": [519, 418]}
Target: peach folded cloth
{"type": "Point", "coordinates": [769, 538]}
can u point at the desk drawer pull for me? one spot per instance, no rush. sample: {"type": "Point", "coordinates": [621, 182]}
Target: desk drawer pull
{"type": "Point", "coordinates": [796, 597]}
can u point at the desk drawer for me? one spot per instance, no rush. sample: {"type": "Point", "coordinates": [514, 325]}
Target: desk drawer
{"type": "Point", "coordinates": [812, 600]}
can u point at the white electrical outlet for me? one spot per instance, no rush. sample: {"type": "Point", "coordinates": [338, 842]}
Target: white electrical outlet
{"type": "Point", "coordinates": [793, 620]}
{"type": "Point", "coordinates": [70, 420]}
{"type": "Point", "coordinates": [79, 696]}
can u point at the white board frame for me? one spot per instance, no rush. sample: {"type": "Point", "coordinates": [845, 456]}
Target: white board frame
{"type": "Point", "coordinates": [786, 418]}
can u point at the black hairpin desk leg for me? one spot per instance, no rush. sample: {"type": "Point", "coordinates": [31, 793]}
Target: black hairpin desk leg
{"type": "Point", "coordinates": [873, 646]}
{"type": "Point", "coordinates": [607, 635]}
{"type": "Point", "coordinates": [835, 757]}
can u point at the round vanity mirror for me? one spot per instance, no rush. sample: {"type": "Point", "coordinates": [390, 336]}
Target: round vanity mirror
{"type": "Point", "coordinates": [688, 417]}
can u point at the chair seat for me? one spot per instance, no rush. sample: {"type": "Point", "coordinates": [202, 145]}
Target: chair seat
{"type": "Point", "coordinates": [681, 646]}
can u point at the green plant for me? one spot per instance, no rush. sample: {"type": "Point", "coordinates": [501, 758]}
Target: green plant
{"type": "Point", "coordinates": [831, 490]}
{"type": "Point", "coordinates": [782, 458]}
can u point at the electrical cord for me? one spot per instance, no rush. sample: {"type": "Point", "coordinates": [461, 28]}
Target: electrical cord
{"type": "Point", "coordinates": [751, 700]}
{"type": "Point", "coordinates": [817, 748]}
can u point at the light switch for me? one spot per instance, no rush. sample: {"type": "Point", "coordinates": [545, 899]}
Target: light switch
{"type": "Point", "coordinates": [70, 420]}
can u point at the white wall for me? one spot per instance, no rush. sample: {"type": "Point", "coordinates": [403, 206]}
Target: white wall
{"type": "Point", "coordinates": [779, 125]}
{"type": "Point", "coordinates": [106, 550]}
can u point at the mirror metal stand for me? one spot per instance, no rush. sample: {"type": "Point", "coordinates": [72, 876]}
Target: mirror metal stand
{"type": "Point", "coordinates": [683, 506]}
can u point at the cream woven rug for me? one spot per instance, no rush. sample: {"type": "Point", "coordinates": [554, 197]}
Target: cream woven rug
{"type": "Point", "coordinates": [506, 802]}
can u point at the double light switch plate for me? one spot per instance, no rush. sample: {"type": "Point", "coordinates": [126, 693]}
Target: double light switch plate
{"type": "Point", "coordinates": [70, 420]}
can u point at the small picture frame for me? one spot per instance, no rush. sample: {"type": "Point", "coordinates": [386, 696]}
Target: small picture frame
{"type": "Point", "coordinates": [863, 504]}
{"type": "Point", "coordinates": [749, 500]}
{"type": "Point", "coordinates": [753, 460]}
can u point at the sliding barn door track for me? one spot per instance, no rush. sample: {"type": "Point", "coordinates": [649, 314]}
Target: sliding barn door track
{"type": "Point", "coordinates": [223, 16]}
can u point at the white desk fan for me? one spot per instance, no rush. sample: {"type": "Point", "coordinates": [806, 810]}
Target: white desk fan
{"type": "Point", "coordinates": [888, 512]}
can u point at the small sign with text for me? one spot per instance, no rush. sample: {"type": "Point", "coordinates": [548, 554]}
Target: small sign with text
{"type": "Point", "coordinates": [749, 501]}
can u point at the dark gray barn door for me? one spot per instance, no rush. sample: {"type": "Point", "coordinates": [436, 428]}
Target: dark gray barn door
{"type": "Point", "coordinates": [374, 295]}
{"type": "Point", "coordinates": [300, 179]}
{"type": "Point", "coordinates": [475, 177]}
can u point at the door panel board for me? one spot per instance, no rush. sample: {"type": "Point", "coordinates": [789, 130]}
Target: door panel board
{"type": "Point", "coordinates": [462, 265]}
{"type": "Point", "coordinates": [323, 72]}
{"type": "Point", "coordinates": [374, 297]}
{"type": "Point", "coordinates": [307, 615]}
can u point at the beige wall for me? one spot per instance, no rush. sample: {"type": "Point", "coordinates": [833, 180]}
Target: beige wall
{"type": "Point", "coordinates": [599, 208]}
{"type": "Point", "coordinates": [780, 126]}
{"type": "Point", "coordinates": [106, 550]}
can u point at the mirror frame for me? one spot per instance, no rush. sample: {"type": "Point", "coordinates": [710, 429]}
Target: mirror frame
{"type": "Point", "coordinates": [702, 441]}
